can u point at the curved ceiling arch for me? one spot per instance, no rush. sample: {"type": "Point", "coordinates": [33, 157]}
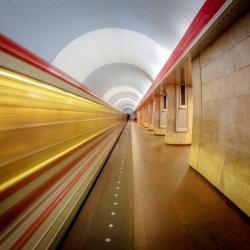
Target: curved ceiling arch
{"type": "Point", "coordinates": [125, 100]}
{"type": "Point", "coordinates": [127, 110]}
{"type": "Point", "coordinates": [111, 75]}
{"type": "Point", "coordinates": [122, 95]}
{"type": "Point", "coordinates": [121, 105]}
{"type": "Point", "coordinates": [127, 107]}
{"type": "Point", "coordinates": [88, 39]}
{"type": "Point", "coordinates": [119, 89]}
{"type": "Point", "coordinates": [46, 27]}
{"type": "Point", "coordinates": [95, 49]}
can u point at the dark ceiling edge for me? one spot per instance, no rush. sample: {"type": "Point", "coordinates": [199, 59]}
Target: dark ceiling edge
{"type": "Point", "coordinates": [234, 11]}
{"type": "Point", "coordinates": [12, 48]}
{"type": "Point", "coordinates": [209, 9]}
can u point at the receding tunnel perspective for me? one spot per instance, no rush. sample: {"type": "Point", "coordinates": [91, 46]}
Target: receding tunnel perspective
{"type": "Point", "coordinates": [125, 124]}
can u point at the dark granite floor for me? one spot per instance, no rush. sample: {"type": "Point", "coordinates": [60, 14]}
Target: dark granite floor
{"type": "Point", "coordinates": [174, 207]}
{"type": "Point", "coordinates": [106, 219]}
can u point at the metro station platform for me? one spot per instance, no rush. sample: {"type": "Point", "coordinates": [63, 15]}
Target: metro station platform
{"type": "Point", "coordinates": [125, 125]}
{"type": "Point", "coordinates": [147, 197]}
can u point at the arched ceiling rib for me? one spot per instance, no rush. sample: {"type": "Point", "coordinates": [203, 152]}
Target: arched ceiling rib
{"type": "Point", "coordinates": [127, 110]}
{"type": "Point", "coordinates": [109, 76]}
{"type": "Point", "coordinates": [122, 95]}
{"type": "Point", "coordinates": [46, 27]}
{"type": "Point", "coordinates": [125, 101]}
{"type": "Point", "coordinates": [120, 89]}
{"type": "Point", "coordinates": [128, 105]}
{"type": "Point", "coordinates": [93, 50]}
{"type": "Point", "coordinates": [93, 40]}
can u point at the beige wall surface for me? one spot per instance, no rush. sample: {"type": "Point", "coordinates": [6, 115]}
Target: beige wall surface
{"type": "Point", "coordinates": [173, 110]}
{"type": "Point", "coordinates": [172, 136]}
{"type": "Point", "coordinates": [156, 111]}
{"type": "Point", "coordinates": [221, 124]}
{"type": "Point", "coordinates": [150, 115]}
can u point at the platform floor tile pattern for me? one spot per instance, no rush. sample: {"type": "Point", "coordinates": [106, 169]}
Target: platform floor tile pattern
{"type": "Point", "coordinates": [106, 219]}
{"type": "Point", "coordinates": [162, 203]}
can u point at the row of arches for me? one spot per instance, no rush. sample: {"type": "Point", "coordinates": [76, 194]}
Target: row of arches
{"type": "Point", "coordinates": [117, 64]}
{"type": "Point", "coordinates": [102, 44]}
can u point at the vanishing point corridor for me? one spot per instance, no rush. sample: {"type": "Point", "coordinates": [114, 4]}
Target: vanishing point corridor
{"type": "Point", "coordinates": [125, 124]}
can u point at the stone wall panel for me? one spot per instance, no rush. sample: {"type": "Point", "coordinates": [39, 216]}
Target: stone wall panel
{"type": "Point", "coordinates": [221, 125]}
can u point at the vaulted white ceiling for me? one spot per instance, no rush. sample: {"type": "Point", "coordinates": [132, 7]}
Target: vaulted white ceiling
{"type": "Point", "coordinates": [115, 47]}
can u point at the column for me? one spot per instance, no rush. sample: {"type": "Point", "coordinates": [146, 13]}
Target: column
{"type": "Point", "coordinates": [157, 112]}
{"type": "Point", "coordinates": [180, 108]}
{"type": "Point", "coordinates": [142, 115]}
{"type": "Point", "coordinates": [138, 113]}
{"type": "Point", "coordinates": [150, 115]}
{"type": "Point", "coordinates": [145, 123]}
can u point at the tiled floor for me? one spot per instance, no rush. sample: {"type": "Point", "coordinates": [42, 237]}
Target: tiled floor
{"type": "Point", "coordinates": [174, 207]}
{"type": "Point", "coordinates": [106, 219]}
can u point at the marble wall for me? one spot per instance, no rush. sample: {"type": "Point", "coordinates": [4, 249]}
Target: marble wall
{"type": "Point", "coordinates": [221, 113]}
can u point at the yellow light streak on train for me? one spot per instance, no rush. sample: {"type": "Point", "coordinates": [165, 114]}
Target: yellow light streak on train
{"type": "Point", "coordinates": [40, 122]}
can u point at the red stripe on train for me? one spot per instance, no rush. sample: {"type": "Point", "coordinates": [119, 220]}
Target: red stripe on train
{"type": "Point", "coordinates": [31, 230]}
{"type": "Point", "coordinates": [6, 193]}
{"type": "Point", "coordinates": [18, 208]}
{"type": "Point", "coordinates": [12, 48]}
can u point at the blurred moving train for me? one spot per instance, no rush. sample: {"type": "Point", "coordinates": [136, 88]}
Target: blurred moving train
{"type": "Point", "coordinates": [55, 136]}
